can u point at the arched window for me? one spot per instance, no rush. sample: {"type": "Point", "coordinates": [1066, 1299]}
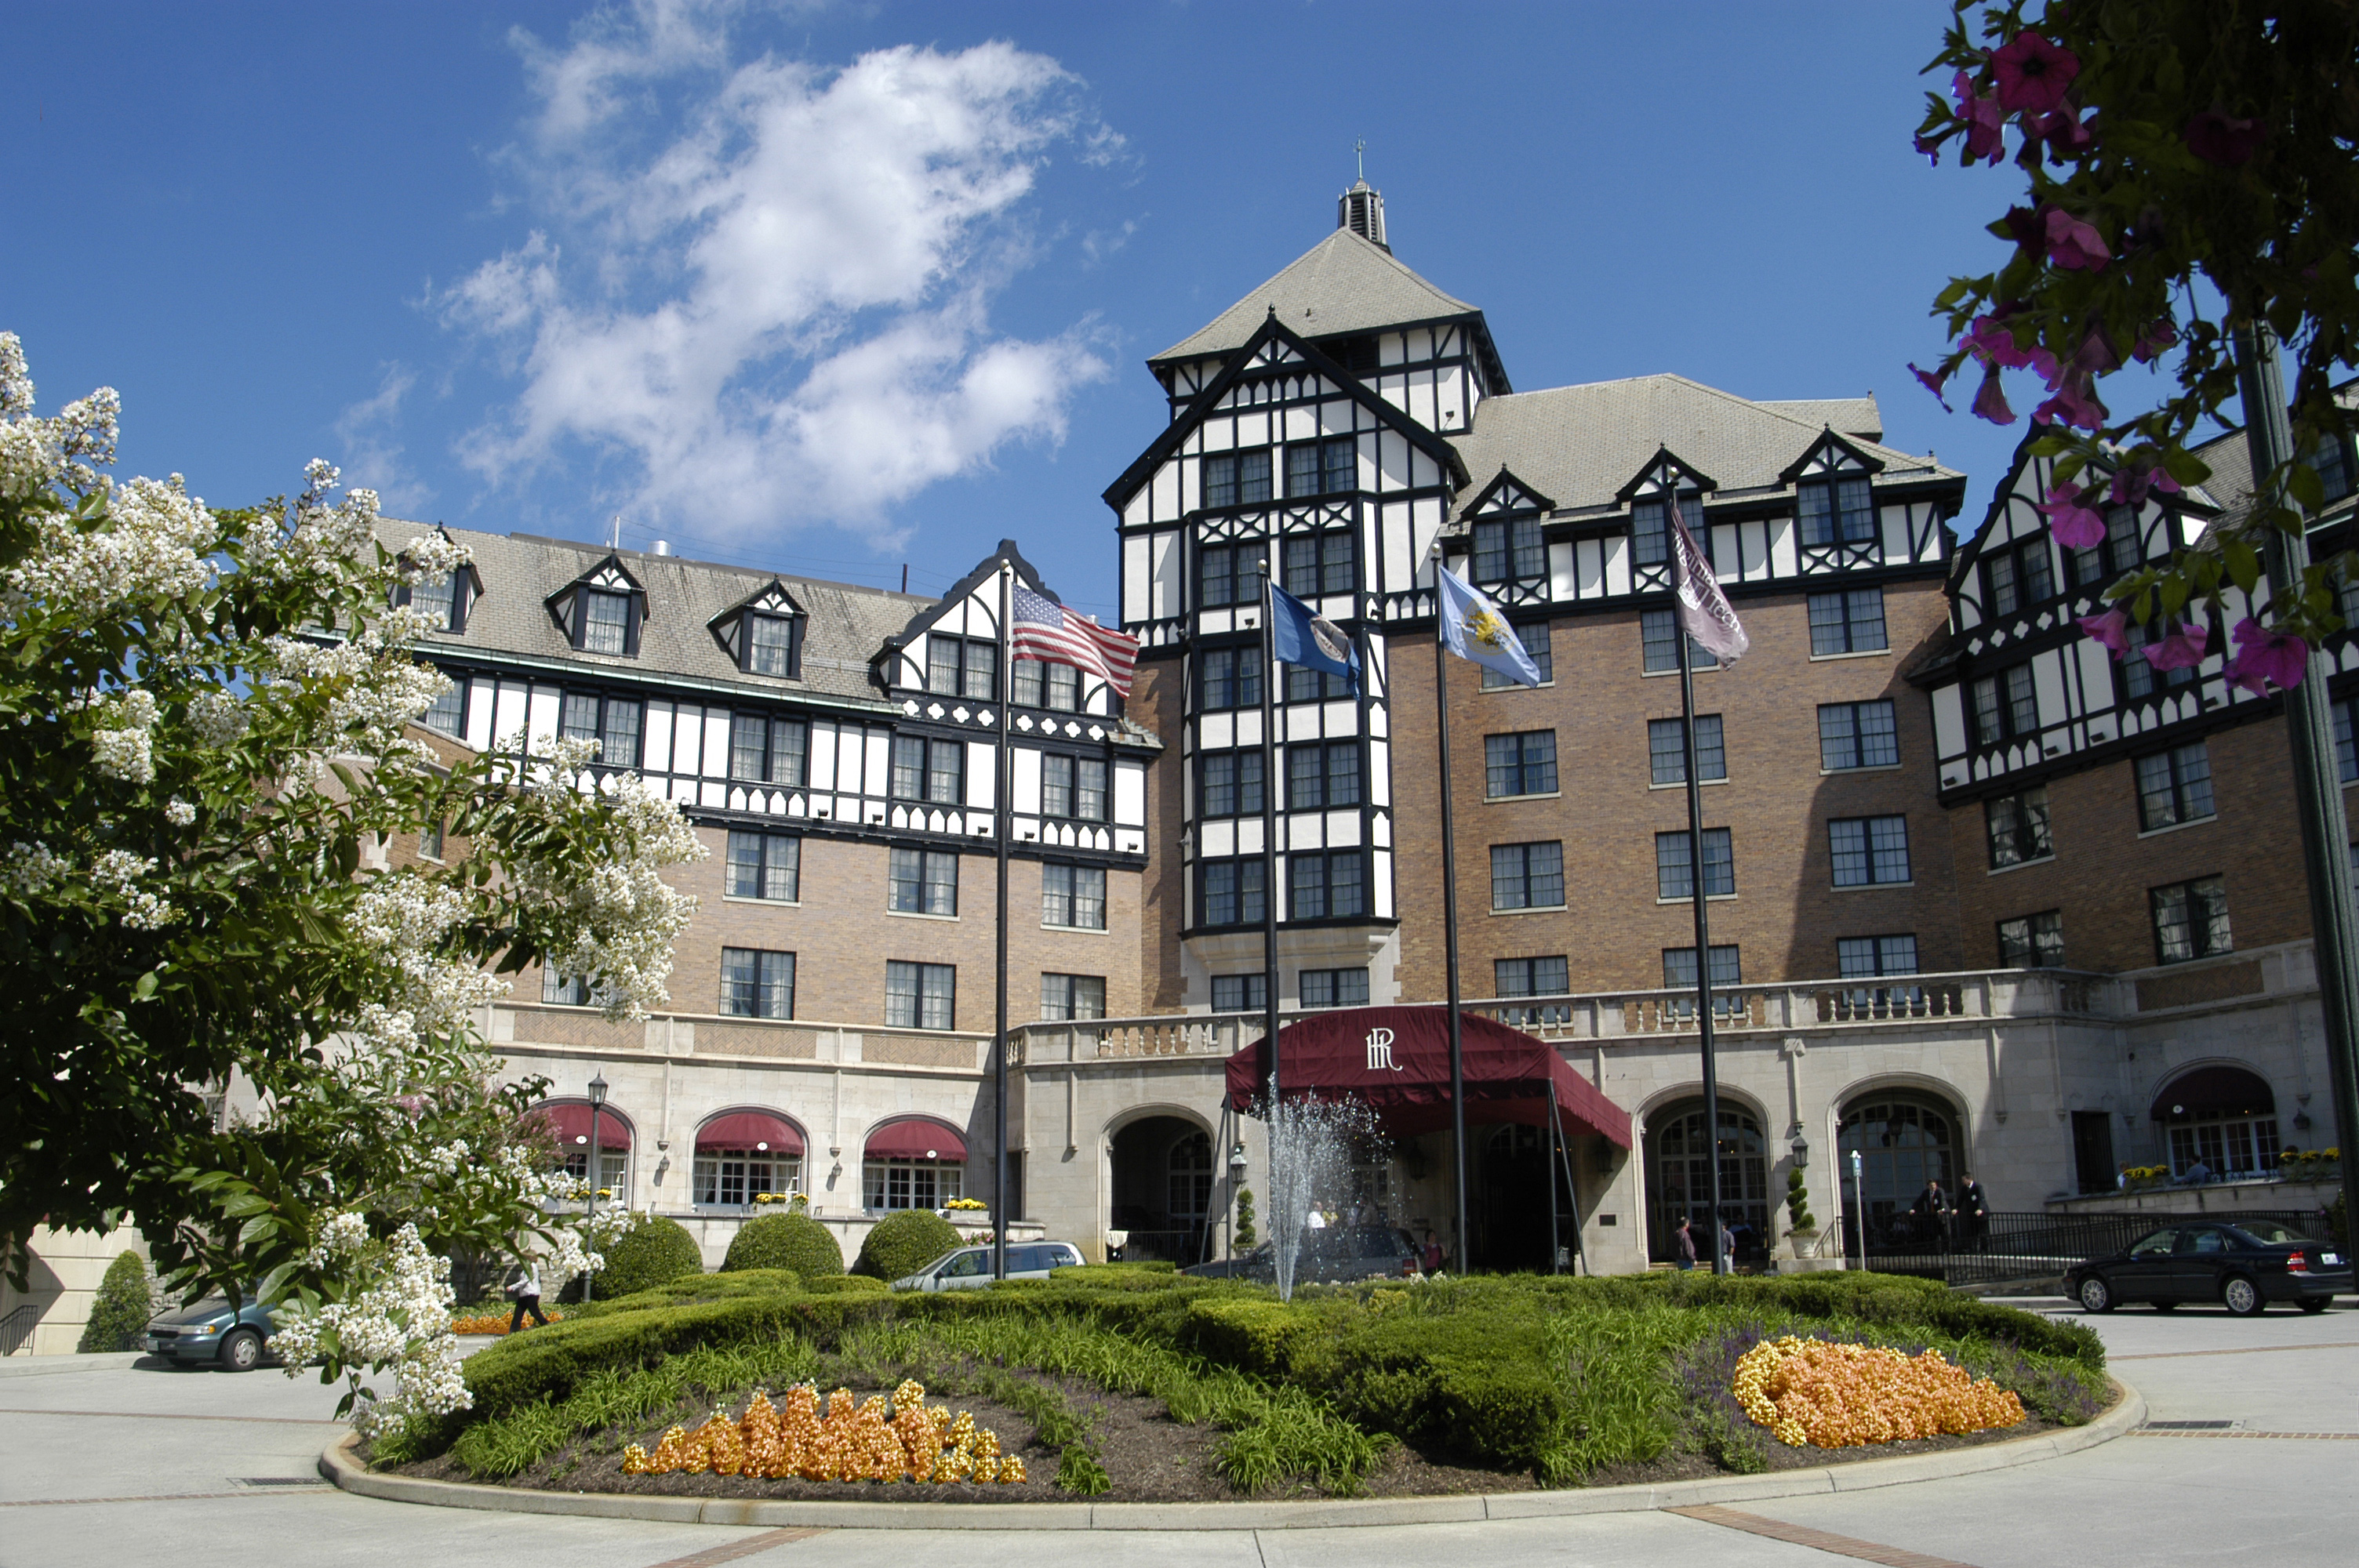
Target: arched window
{"type": "Point", "coordinates": [912, 1164]}
{"type": "Point", "coordinates": [567, 1122]}
{"type": "Point", "coordinates": [1904, 1144]}
{"type": "Point", "coordinates": [742, 1154]}
{"type": "Point", "coordinates": [1190, 1168]}
{"type": "Point", "coordinates": [2221, 1121]}
{"type": "Point", "coordinates": [1679, 1179]}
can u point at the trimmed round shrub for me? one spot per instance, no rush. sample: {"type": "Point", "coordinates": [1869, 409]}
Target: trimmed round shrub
{"type": "Point", "coordinates": [120, 1311]}
{"type": "Point", "coordinates": [846, 1285]}
{"type": "Point", "coordinates": [652, 1252]}
{"type": "Point", "coordinates": [903, 1243]}
{"type": "Point", "coordinates": [794, 1241]}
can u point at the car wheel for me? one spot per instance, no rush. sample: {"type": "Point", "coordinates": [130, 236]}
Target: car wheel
{"type": "Point", "coordinates": [2313, 1303]}
{"type": "Point", "coordinates": [2166, 1306]}
{"type": "Point", "coordinates": [2243, 1297]}
{"type": "Point", "coordinates": [2095, 1294]}
{"type": "Point", "coordinates": [242, 1351]}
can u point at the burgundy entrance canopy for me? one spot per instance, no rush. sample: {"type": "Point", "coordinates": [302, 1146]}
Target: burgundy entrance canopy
{"type": "Point", "coordinates": [2211, 1093]}
{"type": "Point", "coordinates": [1398, 1060]}
{"type": "Point", "coordinates": [570, 1120]}
{"type": "Point", "coordinates": [914, 1137]}
{"type": "Point", "coordinates": [754, 1130]}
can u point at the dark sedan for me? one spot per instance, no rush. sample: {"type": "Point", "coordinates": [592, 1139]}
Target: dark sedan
{"type": "Point", "coordinates": [212, 1334]}
{"type": "Point", "coordinates": [2244, 1267]}
{"type": "Point", "coordinates": [1339, 1252]}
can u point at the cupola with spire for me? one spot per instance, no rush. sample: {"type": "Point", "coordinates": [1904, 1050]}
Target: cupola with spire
{"type": "Point", "coordinates": [1361, 211]}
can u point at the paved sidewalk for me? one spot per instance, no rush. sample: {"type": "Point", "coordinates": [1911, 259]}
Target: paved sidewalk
{"type": "Point", "coordinates": [109, 1461]}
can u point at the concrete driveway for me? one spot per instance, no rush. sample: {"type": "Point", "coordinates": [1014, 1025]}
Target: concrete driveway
{"type": "Point", "coordinates": [104, 1459]}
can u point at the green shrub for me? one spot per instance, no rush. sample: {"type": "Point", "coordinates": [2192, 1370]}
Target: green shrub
{"type": "Point", "coordinates": [1798, 1202]}
{"type": "Point", "coordinates": [1260, 1335]}
{"type": "Point", "coordinates": [119, 1313]}
{"type": "Point", "coordinates": [903, 1243]}
{"type": "Point", "coordinates": [689, 1289]}
{"type": "Point", "coordinates": [846, 1285]}
{"type": "Point", "coordinates": [795, 1241]}
{"type": "Point", "coordinates": [652, 1252]}
{"type": "Point", "coordinates": [1246, 1235]}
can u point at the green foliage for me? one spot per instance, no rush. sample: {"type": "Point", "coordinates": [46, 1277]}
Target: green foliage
{"type": "Point", "coordinates": [688, 1289]}
{"type": "Point", "coordinates": [1797, 1203]}
{"type": "Point", "coordinates": [903, 1243]}
{"type": "Point", "coordinates": [793, 1241]}
{"type": "Point", "coordinates": [1246, 1235]}
{"type": "Point", "coordinates": [846, 1285]}
{"type": "Point", "coordinates": [653, 1253]}
{"type": "Point", "coordinates": [2338, 1220]}
{"type": "Point", "coordinates": [119, 1313]}
{"type": "Point", "coordinates": [1262, 1335]}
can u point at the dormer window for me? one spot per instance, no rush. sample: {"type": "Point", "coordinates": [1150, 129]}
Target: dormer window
{"type": "Point", "coordinates": [764, 635]}
{"type": "Point", "coordinates": [1837, 510]}
{"type": "Point", "coordinates": [442, 599]}
{"type": "Point", "coordinates": [436, 597]}
{"type": "Point", "coordinates": [1650, 527]}
{"type": "Point", "coordinates": [1511, 551]}
{"type": "Point", "coordinates": [601, 612]}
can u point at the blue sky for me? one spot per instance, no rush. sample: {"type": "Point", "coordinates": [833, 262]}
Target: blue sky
{"type": "Point", "coordinates": [830, 289]}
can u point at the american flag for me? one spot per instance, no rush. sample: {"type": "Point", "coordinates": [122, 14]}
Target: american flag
{"type": "Point", "coordinates": [1045, 630]}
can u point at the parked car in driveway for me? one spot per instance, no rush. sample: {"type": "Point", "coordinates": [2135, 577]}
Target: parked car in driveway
{"type": "Point", "coordinates": [2242, 1266]}
{"type": "Point", "coordinates": [969, 1268]}
{"type": "Point", "coordinates": [1338, 1252]}
{"type": "Point", "coordinates": [212, 1334]}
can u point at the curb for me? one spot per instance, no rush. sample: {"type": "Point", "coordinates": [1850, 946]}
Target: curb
{"type": "Point", "coordinates": [61, 1362]}
{"type": "Point", "coordinates": [2128, 1414]}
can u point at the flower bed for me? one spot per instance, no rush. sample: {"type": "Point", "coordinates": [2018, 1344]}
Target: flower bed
{"type": "Point", "coordinates": [1848, 1396]}
{"type": "Point", "coordinates": [494, 1323]}
{"type": "Point", "coordinates": [878, 1439]}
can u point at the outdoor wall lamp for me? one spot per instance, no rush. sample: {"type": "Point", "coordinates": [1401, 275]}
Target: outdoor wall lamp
{"type": "Point", "coordinates": [1801, 1147]}
{"type": "Point", "coordinates": [1238, 1162]}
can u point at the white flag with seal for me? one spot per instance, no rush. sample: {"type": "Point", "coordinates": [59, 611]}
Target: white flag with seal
{"type": "Point", "coordinates": [1704, 612]}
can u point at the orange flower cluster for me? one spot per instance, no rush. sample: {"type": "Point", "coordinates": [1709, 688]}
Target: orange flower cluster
{"type": "Point", "coordinates": [876, 1439]}
{"type": "Point", "coordinates": [489, 1323]}
{"type": "Point", "coordinates": [1847, 1395]}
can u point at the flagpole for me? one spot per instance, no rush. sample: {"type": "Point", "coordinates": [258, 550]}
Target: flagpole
{"type": "Point", "coordinates": [1449, 920]}
{"type": "Point", "coordinates": [1703, 912]}
{"type": "Point", "coordinates": [1006, 823]}
{"type": "Point", "coordinates": [1270, 783]}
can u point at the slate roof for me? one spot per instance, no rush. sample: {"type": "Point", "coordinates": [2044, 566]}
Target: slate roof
{"type": "Point", "coordinates": [1579, 445]}
{"type": "Point", "coordinates": [1856, 417]}
{"type": "Point", "coordinates": [845, 627]}
{"type": "Point", "coordinates": [1342, 283]}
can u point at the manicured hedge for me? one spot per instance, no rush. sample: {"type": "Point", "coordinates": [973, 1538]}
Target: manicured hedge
{"type": "Point", "coordinates": [903, 1243]}
{"type": "Point", "coordinates": [119, 1313]}
{"type": "Point", "coordinates": [652, 1252]}
{"type": "Point", "coordinates": [795, 1241]}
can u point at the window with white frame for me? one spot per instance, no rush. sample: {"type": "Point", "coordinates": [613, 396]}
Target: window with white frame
{"type": "Point", "coordinates": [1334, 987]}
{"type": "Point", "coordinates": [1066, 998]}
{"type": "Point", "coordinates": [1675, 865]}
{"type": "Point", "coordinates": [756, 984]}
{"type": "Point", "coordinates": [733, 1178]}
{"type": "Point", "coordinates": [922, 881]}
{"type": "Point", "coordinates": [1073, 896]}
{"type": "Point", "coordinates": [1849, 622]}
{"type": "Point", "coordinates": [1869, 851]}
{"type": "Point", "coordinates": [889, 1185]}
{"type": "Point", "coordinates": [920, 996]}
{"type": "Point", "coordinates": [764, 865]}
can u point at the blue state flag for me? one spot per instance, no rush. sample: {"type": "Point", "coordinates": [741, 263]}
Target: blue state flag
{"type": "Point", "coordinates": [1473, 628]}
{"type": "Point", "coordinates": [1300, 635]}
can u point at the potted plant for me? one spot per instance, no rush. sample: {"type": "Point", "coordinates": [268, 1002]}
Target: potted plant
{"type": "Point", "coordinates": [1802, 1230]}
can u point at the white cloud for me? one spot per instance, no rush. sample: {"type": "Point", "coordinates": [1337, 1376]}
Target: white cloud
{"type": "Point", "coordinates": [374, 457]}
{"type": "Point", "coordinates": [776, 309]}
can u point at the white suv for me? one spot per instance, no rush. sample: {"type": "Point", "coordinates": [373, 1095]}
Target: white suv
{"type": "Point", "coordinates": [970, 1266]}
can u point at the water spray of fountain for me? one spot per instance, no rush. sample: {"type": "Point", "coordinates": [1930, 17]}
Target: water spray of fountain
{"type": "Point", "coordinates": [1311, 1147]}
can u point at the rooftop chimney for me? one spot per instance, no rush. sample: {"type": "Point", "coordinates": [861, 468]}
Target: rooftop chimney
{"type": "Point", "coordinates": [663, 547]}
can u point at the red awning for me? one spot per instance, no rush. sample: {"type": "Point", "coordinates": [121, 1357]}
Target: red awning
{"type": "Point", "coordinates": [914, 1137]}
{"type": "Point", "coordinates": [750, 1129]}
{"type": "Point", "coordinates": [570, 1120]}
{"type": "Point", "coordinates": [2208, 1093]}
{"type": "Point", "coordinates": [1398, 1060]}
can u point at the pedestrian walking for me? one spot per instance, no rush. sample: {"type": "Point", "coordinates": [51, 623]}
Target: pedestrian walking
{"type": "Point", "coordinates": [1687, 1259]}
{"type": "Point", "coordinates": [524, 1286]}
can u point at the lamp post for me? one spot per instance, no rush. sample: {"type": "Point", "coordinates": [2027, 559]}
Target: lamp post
{"type": "Point", "coordinates": [1229, 1216]}
{"type": "Point", "coordinates": [597, 1099]}
{"type": "Point", "coordinates": [1859, 1208]}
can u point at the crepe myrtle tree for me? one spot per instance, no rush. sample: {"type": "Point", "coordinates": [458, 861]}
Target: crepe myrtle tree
{"type": "Point", "coordinates": [2188, 178]}
{"type": "Point", "coordinates": [205, 744]}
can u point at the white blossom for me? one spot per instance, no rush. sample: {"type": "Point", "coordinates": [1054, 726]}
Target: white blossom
{"type": "Point", "coordinates": [404, 918]}
{"type": "Point", "coordinates": [398, 1318]}
{"type": "Point", "coordinates": [178, 812]}
{"type": "Point", "coordinates": [218, 718]}
{"type": "Point", "coordinates": [123, 741]}
{"type": "Point", "coordinates": [155, 542]}
{"type": "Point", "coordinates": [27, 870]}
{"type": "Point", "coordinates": [118, 873]}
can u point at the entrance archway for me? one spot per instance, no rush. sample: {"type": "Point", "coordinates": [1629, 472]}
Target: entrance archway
{"type": "Point", "coordinates": [1903, 1141]}
{"type": "Point", "coordinates": [1679, 1180]}
{"type": "Point", "coordinates": [1162, 1190]}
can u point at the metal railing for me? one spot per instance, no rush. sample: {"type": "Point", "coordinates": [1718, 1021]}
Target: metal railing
{"type": "Point", "coordinates": [1181, 1247]}
{"type": "Point", "coordinates": [2024, 1246]}
{"type": "Point", "coordinates": [18, 1327]}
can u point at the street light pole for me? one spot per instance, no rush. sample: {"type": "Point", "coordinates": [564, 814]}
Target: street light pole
{"type": "Point", "coordinates": [597, 1099]}
{"type": "Point", "coordinates": [1229, 1217]}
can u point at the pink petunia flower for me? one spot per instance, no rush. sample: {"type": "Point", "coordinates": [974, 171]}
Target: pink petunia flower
{"type": "Point", "coordinates": [1933, 381]}
{"type": "Point", "coordinates": [2180, 648]}
{"type": "Point", "coordinates": [1984, 121]}
{"type": "Point", "coordinates": [2076, 525]}
{"type": "Point", "coordinates": [2075, 403]}
{"type": "Point", "coordinates": [2132, 484]}
{"type": "Point", "coordinates": [2096, 355]}
{"type": "Point", "coordinates": [1990, 402]}
{"type": "Point", "coordinates": [2062, 130]}
{"type": "Point", "coordinates": [2033, 74]}
{"type": "Point", "coordinates": [2218, 138]}
{"type": "Point", "coordinates": [2074, 246]}
{"type": "Point", "coordinates": [1989, 340]}
{"type": "Point", "coordinates": [2267, 658]}
{"type": "Point", "coordinates": [2158, 336]}
{"type": "Point", "coordinates": [2111, 629]}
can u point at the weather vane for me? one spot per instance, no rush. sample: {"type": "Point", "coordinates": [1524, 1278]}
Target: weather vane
{"type": "Point", "coordinates": [1360, 150]}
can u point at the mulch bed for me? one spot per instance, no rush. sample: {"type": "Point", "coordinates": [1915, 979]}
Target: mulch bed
{"type": "Point", "coordinates": [1148, 1457]}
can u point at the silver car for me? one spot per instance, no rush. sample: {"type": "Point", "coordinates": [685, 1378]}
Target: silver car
{"type": "Point", "coordinates": [970, 1266]}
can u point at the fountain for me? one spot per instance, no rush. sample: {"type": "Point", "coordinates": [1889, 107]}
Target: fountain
{"type": "Point", "coordinates": [1310, 1144]}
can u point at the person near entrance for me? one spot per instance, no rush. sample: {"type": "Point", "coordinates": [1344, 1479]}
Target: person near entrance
{"type": "Point", "coordinates": [1687, 1259]}
{"type": "Point", "coordinates": [1431, 1256]}
{"type": "Point", "coordinates": [1931, 1215]}
{"type": "Point", "coordinates": [524, 1285]}
{"type": "Point", "coordinates": [1974, 1215]}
